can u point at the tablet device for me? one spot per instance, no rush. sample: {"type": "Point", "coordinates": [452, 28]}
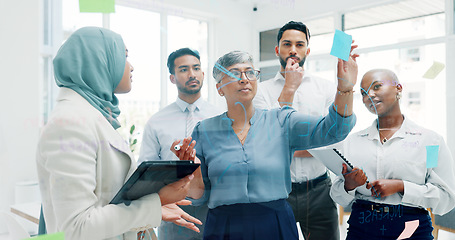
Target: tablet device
{"type": "Point", "coordinates": [150, 177]}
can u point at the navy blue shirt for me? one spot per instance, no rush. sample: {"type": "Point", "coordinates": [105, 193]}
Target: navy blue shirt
{"type": "Point", "coordinates": [259, 170]}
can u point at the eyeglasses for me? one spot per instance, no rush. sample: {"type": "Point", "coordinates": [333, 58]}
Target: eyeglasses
{"type": "Point", "coordinates": [236, 75]}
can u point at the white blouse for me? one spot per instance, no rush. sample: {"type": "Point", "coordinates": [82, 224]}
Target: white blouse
{"type": "Point", "coordinates": [404, 156]}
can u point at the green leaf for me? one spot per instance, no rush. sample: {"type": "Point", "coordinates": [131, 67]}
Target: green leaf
{"type": "Point", "coordinates": [134, 142]}
{"type": "Point", "coordinates": [132, 129]}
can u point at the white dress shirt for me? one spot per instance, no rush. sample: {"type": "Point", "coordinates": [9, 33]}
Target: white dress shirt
{"type": "Point", "coordinates": [168, 125]}
{"type": "Point", "coordinates": [401, 157]}
{"type": "Point", "coordinates": [313, 97]}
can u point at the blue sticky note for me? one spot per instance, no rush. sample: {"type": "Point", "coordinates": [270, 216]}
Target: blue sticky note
{"type": "Point", "coordinates": [432, 156]}
{"type": "Point", "coordinates": [341, 45]}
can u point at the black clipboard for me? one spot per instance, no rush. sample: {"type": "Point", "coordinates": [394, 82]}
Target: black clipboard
{"type": "Point", "coordinates": [150, 177]}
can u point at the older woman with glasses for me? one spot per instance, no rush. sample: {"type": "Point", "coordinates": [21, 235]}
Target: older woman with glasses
{"type": "Point", "coordinates": [246, 153]}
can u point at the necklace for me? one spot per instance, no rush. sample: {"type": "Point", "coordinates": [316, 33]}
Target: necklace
{"type": "Point", "coordinates": [242, 139]}
{"type": "Point", "coordinates": [384, 138]}
{"type": "Point", "coordinates": [242, 134]}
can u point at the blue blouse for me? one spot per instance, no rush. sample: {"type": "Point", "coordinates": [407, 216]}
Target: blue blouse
{"type": "Point", "coordinates": [259, 170]}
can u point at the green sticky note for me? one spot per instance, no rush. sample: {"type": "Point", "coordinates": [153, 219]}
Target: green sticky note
{"type": "Point", "coordinates": [53, 236]}
{"type": "Point", "coordinates": [341, 47]}
{"type": "Point", "coordinates": [97, 6]}
{"type": "Point", "coordinates": [434, 70]}
{"type": "Point", "coordinates": [432, 156]}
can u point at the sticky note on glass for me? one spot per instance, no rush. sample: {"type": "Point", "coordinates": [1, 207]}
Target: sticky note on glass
{"type": "Point", "coordinates": [434, 70]}
{"type": "Point", "coordinates": [341, 46]}
{"type": "Point", "coordinates": [97, 6]}
{"type": "Point", "coordinates": [53, 236]}
{"type": "Point", "coordinates": [432, 156]}
{"type": "Point", "coordinates": [409, 228]}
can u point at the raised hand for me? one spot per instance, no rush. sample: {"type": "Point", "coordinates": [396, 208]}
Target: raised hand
{"type": "Point", "coordinates": [347, 72]}
{"type": "Point", "coordinates": [186, 151]}
{"type": "Point", "coordinates": [293, 74]}
{"type": "Point", "coordinates": [173, 213]}
{"type": "Point", "coordinates": [354, 178]}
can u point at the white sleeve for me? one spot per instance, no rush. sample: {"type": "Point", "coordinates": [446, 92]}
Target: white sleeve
{"type": "Point", "coordinates": [262, 100]}
{"type": "Point", "coordinates": [150, 146]}
{"type": "Point", "coordinates": [438, 191]}
{"type": "Point", "coordinates": [339, 194]}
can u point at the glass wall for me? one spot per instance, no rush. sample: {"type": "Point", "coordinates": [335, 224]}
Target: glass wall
{"type": "Point", "coordinates": [186, 32]}
{"type": "Point", "coordinates": [140, 25]}
{"type": "Point", "coordinates": [409, 47]}
{"type": "Point", "coordinates": [139, 29]}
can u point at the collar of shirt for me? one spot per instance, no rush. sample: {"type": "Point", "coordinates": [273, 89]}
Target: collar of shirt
{"type": "Point", "coordinates": [183, 105]}
{"type": "Point", "coordinates": [226, 121]}
{"type": "Point", "coordinates": [372, 132]}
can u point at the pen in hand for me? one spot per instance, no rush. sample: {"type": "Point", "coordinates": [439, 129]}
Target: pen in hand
{"type": "Point", "coordinates": [376, 195]}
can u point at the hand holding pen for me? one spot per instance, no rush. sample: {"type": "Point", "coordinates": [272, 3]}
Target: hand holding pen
{"type": "Point", "coordinates": [386, 187]}
{"type": "Point", "coordinates": [184, 151]}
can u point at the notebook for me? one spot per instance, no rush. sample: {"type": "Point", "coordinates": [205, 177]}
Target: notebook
{"type": "Point", "coordinates": [150, 177]}
{"type": "Point", "coordinates": [334, 160]}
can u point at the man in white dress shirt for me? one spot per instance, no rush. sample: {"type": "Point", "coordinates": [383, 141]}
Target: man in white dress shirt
{"type": "Point", "coordinates": [310, 200]}
{"type": "Point", "coordinates": [176, 121]}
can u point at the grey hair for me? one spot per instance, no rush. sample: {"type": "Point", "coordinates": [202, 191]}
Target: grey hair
{"type": "Point", "coordinates": [228, 60]}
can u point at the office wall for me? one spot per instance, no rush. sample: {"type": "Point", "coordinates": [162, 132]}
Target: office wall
{"type": "Point", "coordinates": [19, 101]}
{"type": "Point", "coordinates": [308, 10]}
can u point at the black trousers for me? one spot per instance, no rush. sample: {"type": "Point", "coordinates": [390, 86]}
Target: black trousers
{"type": "Point", "coordinates": [314, 209]}
{"type": "Point", "coordinates": [252, 221]}
{"type": "Point", "coordinates": [386, 222]}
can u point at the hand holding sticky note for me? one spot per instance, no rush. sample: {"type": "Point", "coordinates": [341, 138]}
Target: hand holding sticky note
{"type": "Point", "coordinates": [341, 47]}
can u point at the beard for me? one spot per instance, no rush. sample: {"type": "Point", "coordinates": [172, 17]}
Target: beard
{"type": "Point", "coordinates": [284, 62]}
{"type": "Point", "coordinates": [189, 90]}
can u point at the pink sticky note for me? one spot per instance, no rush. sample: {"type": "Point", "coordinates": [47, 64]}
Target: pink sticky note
{"type": "Point", "coordinates": [409, 228]}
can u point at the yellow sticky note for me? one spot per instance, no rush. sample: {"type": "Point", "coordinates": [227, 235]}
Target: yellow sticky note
{"type": "Point", "coordinates": [434, 70]}
{"type": "Point", "coordinates": [97, 6]}
{"type": "Point", "coordinates": [53, 236]}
